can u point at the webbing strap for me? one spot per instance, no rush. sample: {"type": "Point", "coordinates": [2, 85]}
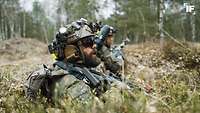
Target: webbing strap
{"type": "Point", "coordinates": [84, 72]}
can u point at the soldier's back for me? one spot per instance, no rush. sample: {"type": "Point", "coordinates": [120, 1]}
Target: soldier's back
{"type": "Point", "coordinates": [68, 86]}
{"type": "Point", "coordinates": [56, 85]}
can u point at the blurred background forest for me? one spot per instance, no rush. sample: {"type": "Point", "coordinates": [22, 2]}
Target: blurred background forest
{"type": "Point", "coordinates": [27, 26]}
{"type": "Point", "coordinates": [136, 19]}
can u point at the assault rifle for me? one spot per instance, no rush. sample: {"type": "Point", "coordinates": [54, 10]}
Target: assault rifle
{"type": "Point", "coordinates": [117, 53]}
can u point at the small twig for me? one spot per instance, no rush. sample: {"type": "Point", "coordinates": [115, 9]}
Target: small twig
{"type": "Point", "coordinates": [154, 97]}
{"type": "Point", "coordinates": [176, 41]}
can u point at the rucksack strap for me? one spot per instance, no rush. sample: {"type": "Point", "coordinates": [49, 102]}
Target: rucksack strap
{"type": "Point", "coordinates": [80, 73]}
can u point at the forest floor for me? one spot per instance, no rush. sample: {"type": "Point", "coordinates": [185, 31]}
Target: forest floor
{"type": "Point", "coordinates": [173, 71]}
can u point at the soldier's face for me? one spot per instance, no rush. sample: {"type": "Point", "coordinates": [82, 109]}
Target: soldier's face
{"type": "Point", "coordinates": [89, 51]}
{"type": "Point", "coordinates": [109, 41]}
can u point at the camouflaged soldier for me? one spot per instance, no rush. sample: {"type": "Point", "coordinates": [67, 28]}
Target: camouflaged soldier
{"type": "Point", "coordinates": [70, 76]}
{"type": "Point", "coordinates": [104, 42]}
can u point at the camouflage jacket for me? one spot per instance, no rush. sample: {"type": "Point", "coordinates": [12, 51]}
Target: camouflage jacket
{"type": "Point", "coordinates": [77, 83]}
{"type": "Point", "coordinates": [56, 84]}
{"type": "Point", "coordinates": [105, 54]}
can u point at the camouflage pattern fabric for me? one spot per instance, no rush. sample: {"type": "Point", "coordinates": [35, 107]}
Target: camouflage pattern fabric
{"type": "Point", "coordinates": [105, 54]}
{"type": "Point", "coordinates": [34, 82]}
{"type": "Point", "coordinates": [58, 85]}
{"type": "Point", "coordinates": [71, 87]}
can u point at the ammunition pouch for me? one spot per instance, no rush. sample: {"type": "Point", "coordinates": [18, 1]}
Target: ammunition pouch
{"type": "Point", "coordinates": [35, 81]}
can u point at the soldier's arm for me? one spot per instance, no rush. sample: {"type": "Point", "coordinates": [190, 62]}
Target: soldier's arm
{"type": "Point", "coordinates": [114, 67]}
{"type": "Point", "coordinates": [110, 64]}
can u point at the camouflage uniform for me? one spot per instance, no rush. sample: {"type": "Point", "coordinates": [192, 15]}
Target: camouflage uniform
{"type": "Point", "coordinates": [68, 78]}
{"type": "Point", "coordinates": [104, 51]}
{"type": "Point", "coordinates": [71, 87]}
{"type": "Point", "coordinates": [109, 64]}
{"type": "Point", "coordinates": [57, 82]}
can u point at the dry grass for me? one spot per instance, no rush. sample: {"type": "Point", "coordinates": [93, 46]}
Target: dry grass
{"type": "Point", "coordinates": [175, 81]}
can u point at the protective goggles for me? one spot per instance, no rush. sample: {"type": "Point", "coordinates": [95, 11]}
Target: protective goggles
{"type": "Point", "coordinates": [88, 41]}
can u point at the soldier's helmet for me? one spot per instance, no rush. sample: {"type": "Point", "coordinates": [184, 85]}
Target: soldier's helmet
{"type": "Point", "coordinates": [68, 39]}
{"type": "Point", "coordinates": [106, 31]}
{"type": "Point", "coordinates": [103, 34]}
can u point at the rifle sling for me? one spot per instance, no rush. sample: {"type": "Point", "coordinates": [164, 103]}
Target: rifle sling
{"type": "Point", "coordinates": [93, 81]}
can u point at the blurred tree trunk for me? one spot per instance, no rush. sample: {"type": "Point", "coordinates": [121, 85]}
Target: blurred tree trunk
{"type": "Point", "coordinates": [45, 32]}
{"type": "Point", "coordinates": [59, 14]}
{"type": "Point", "coordinates": [192, 22]}
{"type": "Point", "coordinates": [143, 21]}
{"type": "Point", "coordinates": [1, 23]}
{"type": "Point", "coordinates": [24, 22]}
{"type": "Point", "coordinates": [161, 20]}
